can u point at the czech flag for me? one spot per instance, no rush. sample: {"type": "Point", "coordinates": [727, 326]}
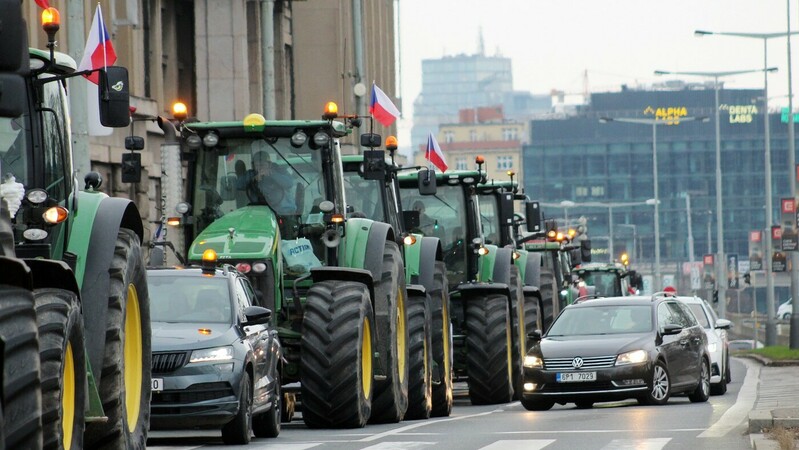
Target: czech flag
{"type": "Point", "coordinates": [99, 52]}
{"type": "Point", "coordinates": [44, 4]}
{"type": "Point", "coordinates": [434, 154]}
{"type": "Point", "coordinates": [382, 108]}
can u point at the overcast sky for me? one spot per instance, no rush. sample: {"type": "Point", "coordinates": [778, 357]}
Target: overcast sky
{"type": "Point", "coordinates": [553, 42]}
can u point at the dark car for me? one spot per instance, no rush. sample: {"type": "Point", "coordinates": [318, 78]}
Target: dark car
{"type": "Point", "coordinates": [609, 349]}
{"type": "Point", "coordinates": [216, 361]}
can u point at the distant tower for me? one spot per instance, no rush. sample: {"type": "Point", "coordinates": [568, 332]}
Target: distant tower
{"type": "Point", "coordinates": [481, 51]}
{"type": "Point", "coordinates": [586, 89]}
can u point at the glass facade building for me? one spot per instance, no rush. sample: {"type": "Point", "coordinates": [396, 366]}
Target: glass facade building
{"type": "Point", "coordinates": [581, 159]}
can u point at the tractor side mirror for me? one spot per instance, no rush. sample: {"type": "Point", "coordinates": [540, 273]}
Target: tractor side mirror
{"type": "Point", "coordinates": [374, 165]}
{"type": "Point", "coordinates": [533, 213]}
{"type": "Point", "coordinates": [114, 97]}
{"type": "Point", "coordinates": [427, 182]}
{"type": "Point", "coordinates": [585, 250]}
{"type": "Point", "coordinates": [13, 40]}
{"type": "Point", "coordinates": [371, 140]}
{"type": "Point", "coordinates": [506, 209]}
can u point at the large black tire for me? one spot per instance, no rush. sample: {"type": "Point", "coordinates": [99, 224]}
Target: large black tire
{"type": "Point", "coordinates": [702, 392]}
{"type": "Point", "coordinates": [22, 395]}
{"type": "Point", "coordinates": [239, 430]}
{"type": "Point", "coordinates": [441, 342]}
{"type": "Point", "coordinates": [336, 374]}
{"type": "Point", "coordinates": [518, 332]}
{"type": "Point", "coordinates": [489, 350]}
{"type": "Point", "coordinates": [268, 424]}
{"type": "Point", "coordinates": [391, 394]}
{"type": "Point", "coordinates": [125, 383]}
{"type": "Point", "coordinates": [549, 298]}
{"type": "Point", "coordinates": [63, 360]}
{"type": "Point", "coordinates": [420, 361]}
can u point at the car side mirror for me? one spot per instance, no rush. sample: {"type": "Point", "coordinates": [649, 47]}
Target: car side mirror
{"type": "Point", "coordinates": [256, 315]}
{"type": "Point", "coordinates": [670, 329]}
{"type": "Point", "coordinates": [533, 338]}
{"type": "Point", "coordinates": [723, 324]}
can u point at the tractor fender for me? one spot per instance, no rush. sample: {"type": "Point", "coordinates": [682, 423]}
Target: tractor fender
{"type": "Point", "coordinates": [110, 215]}
{"type": "Point", "coordinates": [532, 270]}
{"type": "Point", "coordinates": [429, 255]}
{"type": "Point", "coordinates": [485, 264]}
{"type": "Point", "coordinates": [49, 273]}
{"type": "Point", "coordinates": [503, 259]}
{"type": "Point", "coordinates": [415, 290]}
{"type": "Point", "coordinates": [14, 272]}
{"type": "Point", "coordinates": [379, 232]}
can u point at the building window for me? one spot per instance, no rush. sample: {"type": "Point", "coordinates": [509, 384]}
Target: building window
{"type": "Point", "coordinates": [597, 191]}
{"type": "Point", "coordinates": [461, 163]}
{"type": "Point", "coordinates": [509, 134]}
{"type": "Point", "coordinates": [473, 135]}
{"type": "Point", "coordinates": [449, 137]}
{"type": "Point", "coordinates": [581, 191]}
{"type": "Point", "coordinates": [504, 162]}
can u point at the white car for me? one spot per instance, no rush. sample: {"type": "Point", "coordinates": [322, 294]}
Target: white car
{"type": "Point", "coordinates": [717, 342]}
{"type": "Point", "coordinates": [785, 310]}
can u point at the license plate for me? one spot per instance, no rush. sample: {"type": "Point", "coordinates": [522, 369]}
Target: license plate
{"type": "Point", "coordinates": [158, 384]}
{"type": "Point", "coordinates": [571, 377]}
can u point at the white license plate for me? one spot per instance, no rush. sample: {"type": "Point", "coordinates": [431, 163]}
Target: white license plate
{"type": "Point", "coordinates": [158, 384]}
{"type": "Point", "coordinates": [571, 377]}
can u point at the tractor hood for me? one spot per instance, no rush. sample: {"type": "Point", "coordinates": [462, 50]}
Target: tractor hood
{"type": "Point", "coordinates": [246, 233]}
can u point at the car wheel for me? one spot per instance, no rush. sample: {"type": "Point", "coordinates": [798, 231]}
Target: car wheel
{"type": "Point", "coordinates": [584, 404]}
{"type": "Point", "coordinates": [268, 424]}
{"type": "Point", "coordinates": [239, 430]}
{"type": "Point", "coordinates": [727, 372]}
{"type": "Point", "coordinates": [537, 405]}
{"type": "Point", "coordinates": [720, 388]}
{"type": "Point", "coordinates": [702, 391]}
{"type": "Point", "coordinates": [659, 387]}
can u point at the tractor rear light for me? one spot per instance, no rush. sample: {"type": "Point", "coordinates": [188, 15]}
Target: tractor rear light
{"type": "Point", "coordinates": [56, 214]}
{"type": "Point", "coordinates": [34, 234]}
{"type": "Point", "coordinates": [243, 267]}
{"type": "Point", "coordinates": [36, 196]}
{"type": "Point", "coordinates": [409, 239]}
{"type": "Point", "coordinates": [258, 267]}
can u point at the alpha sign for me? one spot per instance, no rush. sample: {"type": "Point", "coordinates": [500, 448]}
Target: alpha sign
{"type": "Point", "coordinates": [671, 114]}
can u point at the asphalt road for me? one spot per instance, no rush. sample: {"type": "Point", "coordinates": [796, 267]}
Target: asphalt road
{"type": "Point", "coordinates": [720, 423]}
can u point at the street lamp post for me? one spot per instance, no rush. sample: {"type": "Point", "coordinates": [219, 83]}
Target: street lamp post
{"type": "Point", "coordinates": [654, 123]}
{"type": "Point", "coordinates": [771, 324]}
{"type": "Point", "coordinates": [720, 268]}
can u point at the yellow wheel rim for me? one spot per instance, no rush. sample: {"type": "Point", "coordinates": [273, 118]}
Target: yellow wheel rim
{"type": "Point", "coordinates": [401, 335]}
{"type": "Point", "coordinates": [68, 397]}
{"type": "Point", "coordinates": [133, 358]}
{"type": "Point", "coordinates": [509, 347]}
{"type": "Point", "coordinates": [445, 333]}
{"type": "Point", "coordinates": [366, 358]}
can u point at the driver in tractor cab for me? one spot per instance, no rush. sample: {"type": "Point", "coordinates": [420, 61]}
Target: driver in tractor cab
{"type": "Point", "coordinates": [268, 183]}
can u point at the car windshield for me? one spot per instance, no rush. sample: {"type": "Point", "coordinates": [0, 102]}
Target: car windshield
{"type": "Point", "coordinates": [699, 312]}
{"type": "Point", "coordinates": [604, 319]}
{"type": "Point", "coordinates": [182, 299]}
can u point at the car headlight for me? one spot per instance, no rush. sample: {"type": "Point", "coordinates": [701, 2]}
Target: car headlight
{"type": "Point", "coordinates": [633, 357]}
{"type": "Point", "coordinates": [533, 361]}
{"type": "Point", "coordinates": [215, 354]}
{"type": "Point", "coordinates": [712, 347]}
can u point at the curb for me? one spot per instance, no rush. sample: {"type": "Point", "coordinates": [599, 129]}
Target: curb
{"type": "Point", "coordinates": [769, 362]}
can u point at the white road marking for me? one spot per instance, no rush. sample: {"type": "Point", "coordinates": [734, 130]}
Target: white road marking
{"type": "Point", "coordinates": [743, 404]}
{"type": "Point", "coordinates": [637, 444]}
{"type": "Point", "coordinates": [615, 431]}
{"type": "Point", "coordinates": [399, 445]}
{"type": "Point", "coordinates": [521, 444]}
{"type": "Point", "coordinates": [422, 424]}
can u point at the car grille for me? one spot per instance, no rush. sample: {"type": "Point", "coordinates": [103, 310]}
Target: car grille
{"type": "Point", "coordinates": [589, 362]}
{"type": "Point", "coordinates": [577, 387]}
{"type": "Point", "coordinates": [195, 393]}
{"type": "Point", "coordinates": [168, 362]}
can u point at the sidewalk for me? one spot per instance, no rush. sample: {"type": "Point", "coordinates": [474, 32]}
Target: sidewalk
{"type": "Point", "coordinates": [777, 404]}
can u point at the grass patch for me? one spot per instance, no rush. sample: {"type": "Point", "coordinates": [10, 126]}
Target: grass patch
{"type": "Point", "coordinates": [785, 437]}
{"type": "Point", "coordinates": [776, 352]}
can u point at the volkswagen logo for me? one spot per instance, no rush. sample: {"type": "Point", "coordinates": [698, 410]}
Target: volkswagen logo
{"type": "Point", "coordinates": [577, 362]}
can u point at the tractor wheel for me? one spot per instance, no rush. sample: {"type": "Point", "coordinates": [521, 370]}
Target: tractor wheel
{"type": "Point", "coordinates": [391, 394]}
{"type": "Point", "coordinates": [336, 355]}
{"type": "Point", "coordinates": [420, 362]}
{"type": "Point", "coordinates": [518, 331]}
{"type": "Point", "coordinates": [125, 383]}
{"type": "Point", "coordinates": [22, 400]}
{"type": "Point", "coordinates": [442, 342]}
{"type": "Point", "coordinates": [549, 298]}
{"type": "Point", "coordinates": [63, 360]}
{"type": "Point", "coordinates": [489, 350]}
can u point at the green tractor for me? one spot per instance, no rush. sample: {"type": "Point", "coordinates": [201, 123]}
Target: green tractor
{"type": "Point", "coordinates": [74, 308]}
{"type": "Point", "coordinates": [370, 182]}
{"type": "Point", "coordinates": [486, 295]}
{"type": "Point", "coordinates": [269, 198]}
{"type": "Point", "coordinates": [609, 280]}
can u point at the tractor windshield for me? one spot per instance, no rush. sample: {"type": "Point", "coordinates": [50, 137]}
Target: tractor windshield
{"type": "Point", "coordinates": [267, 172]}
{"type": "Point", "coordinates": [13, 140]}
{"type": "Point", "coordinates": [489, 219]}
{"type": "Point", "coordinates": [607, 284]}
{"type": "Point", "coordinates": [363, 197]}
{"type": "Point", "coordinates": [443, 215]}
